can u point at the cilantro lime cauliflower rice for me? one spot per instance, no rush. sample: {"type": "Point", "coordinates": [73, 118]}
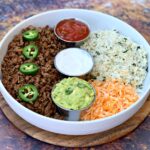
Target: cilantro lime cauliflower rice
{"type": "Point", "coordinates": [116, 56]}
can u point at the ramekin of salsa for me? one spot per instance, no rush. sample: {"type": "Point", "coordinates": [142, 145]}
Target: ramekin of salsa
{"type": "Point", "coordinates": [71, 96]}
{"type": "Point", "coordinates": [72, 30]}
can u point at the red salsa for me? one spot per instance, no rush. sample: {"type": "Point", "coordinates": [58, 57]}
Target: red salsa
{"type": "Point", "coordinates": [72, 30]}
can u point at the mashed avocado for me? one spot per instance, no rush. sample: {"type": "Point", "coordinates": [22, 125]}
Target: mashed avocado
{"type": "Point", "coordinates": [73, 93]}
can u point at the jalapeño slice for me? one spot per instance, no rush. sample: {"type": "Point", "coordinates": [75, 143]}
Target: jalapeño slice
{"type": "Point", "coordinates": [29, 68]}
{"type": "Point", "coordinates": [28, 93]}
{"type": "Point", "coordinates": [30, 51]}
{"type": "Point", "coordinates": [30, 35]}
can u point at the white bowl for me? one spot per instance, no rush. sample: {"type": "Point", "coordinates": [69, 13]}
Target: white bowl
{"type": "Point", "coordinates": [96, 20]}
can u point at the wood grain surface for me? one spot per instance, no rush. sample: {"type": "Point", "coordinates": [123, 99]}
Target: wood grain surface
{"type": "Point", "coordinates": [134, 12]}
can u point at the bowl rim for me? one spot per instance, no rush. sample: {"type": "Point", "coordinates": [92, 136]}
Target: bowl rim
{"type": "Point", "coordinates": [87, 122]}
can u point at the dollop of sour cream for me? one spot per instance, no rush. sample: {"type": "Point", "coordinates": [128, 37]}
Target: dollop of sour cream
{"type": "Point", "coordinates": [73, 62]}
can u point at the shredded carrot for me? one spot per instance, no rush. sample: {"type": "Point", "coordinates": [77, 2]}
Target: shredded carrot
{"type": "Point", "coordinates": [112, 96]}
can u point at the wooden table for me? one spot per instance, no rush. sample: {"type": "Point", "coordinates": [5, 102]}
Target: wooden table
{"type": "Point", "coordinates": [134, 12]}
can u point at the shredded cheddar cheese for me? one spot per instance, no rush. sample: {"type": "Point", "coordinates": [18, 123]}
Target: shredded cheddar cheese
{"type": "Point", "coordinates": [112, 96]}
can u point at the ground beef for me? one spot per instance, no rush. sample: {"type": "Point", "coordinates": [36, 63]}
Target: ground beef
{"type": "Point", "coordinates": [47, 76]}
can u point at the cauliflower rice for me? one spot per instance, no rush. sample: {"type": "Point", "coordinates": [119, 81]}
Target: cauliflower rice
{"type": "Point", "coordinates": [116, 56]}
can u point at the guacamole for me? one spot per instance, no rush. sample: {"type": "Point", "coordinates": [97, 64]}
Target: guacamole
{"type": "Point", "coordinates": [73, 93]}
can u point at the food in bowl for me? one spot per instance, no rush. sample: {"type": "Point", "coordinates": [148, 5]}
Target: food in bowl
{"type": "Point", "coordinates": [30, 35]}
{"type": "Point", "coordinates": [29, 68]}
{"type": "Point", "coordinates": [29, 73]}
{"type": "Point", "coordinates": [72, 30]}
{"type": "Point", "coordinates": [112, 96]}
{"type": "Point", "coordinates": [30, 51]}
{"type": "Point", "coordinates": [48, 123]}
{"type": "Point", "coordinates": [31, 62]}
{"type": "Point", "coordinates": [28, 93]}
{"type": "Point", "coordinates": [74, 62]}
{"type": "Point", "coordinates": [40, 69]}
{"type": "Point", "coordinates": [117, 56]}
{"type": "Point", "coordinates": [73, 93]}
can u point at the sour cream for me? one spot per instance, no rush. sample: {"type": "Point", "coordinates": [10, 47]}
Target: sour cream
{"type": "Point", "coordinates": [73, 62]}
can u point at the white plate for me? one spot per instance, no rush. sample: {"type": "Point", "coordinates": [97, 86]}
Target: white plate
{"type": "Point", "coordinates": [97, 21]}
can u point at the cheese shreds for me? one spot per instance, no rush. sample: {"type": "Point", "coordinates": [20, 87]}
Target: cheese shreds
{"type": "Point", "coordinates": [112, 96]}
{"type": "Point", "coordinates": [116, 56]}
